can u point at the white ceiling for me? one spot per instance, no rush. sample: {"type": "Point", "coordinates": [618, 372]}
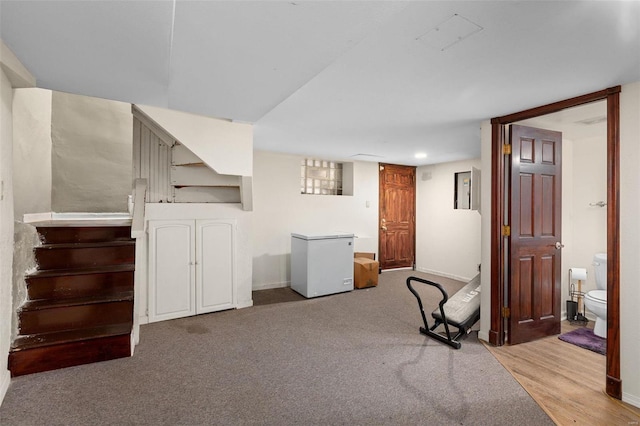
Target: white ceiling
{"type": "Point", "coordinates": [332, 79]}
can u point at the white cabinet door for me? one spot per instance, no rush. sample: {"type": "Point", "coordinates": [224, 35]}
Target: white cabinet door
{"type": "Point", "coordinates": [215, 260]}
{"type": "Point", "coordinates": [171, 269]}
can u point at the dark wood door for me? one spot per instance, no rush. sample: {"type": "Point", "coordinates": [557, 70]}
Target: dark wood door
{"type": "Point", "coordinates": [535, 245]}
{"type": "Point", "coordinates": [397, 216]}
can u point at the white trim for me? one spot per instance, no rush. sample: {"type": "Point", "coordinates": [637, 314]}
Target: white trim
{"type": "Point", "coordinates": [5, 381]}
{"type": "Point", "coordinates": [631, 399]}
{"type": "Point", "coordinates": [36, 217]}
{"type": "Point", "coordinates": [90, 216]}
{"type": "Point", "coordinates": [483, 335]}
{"type": "Point", "coordinates": [268, 286]}
{"type": "Point", "coordinates": [39, 217]}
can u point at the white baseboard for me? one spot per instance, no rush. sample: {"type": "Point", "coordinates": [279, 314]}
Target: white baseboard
{"type": "Point", "coordinates": [631, 399]}
{"type": "Point", "coordinates": [483, 335]}
{"type": "Point", "coordinates": [267, 286]}
{"type": "Point", "coordinates": [244, 304]}
{"type": "Point", "coordinates": [444, 274]}
{"type": "Point", "coordinates": [5, 381]}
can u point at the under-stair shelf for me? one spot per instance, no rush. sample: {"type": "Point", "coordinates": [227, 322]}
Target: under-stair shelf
{"type": "Point", "coordinates": [175, 174]}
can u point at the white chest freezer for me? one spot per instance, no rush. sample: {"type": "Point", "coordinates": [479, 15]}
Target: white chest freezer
{"type": "Point", "coordinates": [321, 264]}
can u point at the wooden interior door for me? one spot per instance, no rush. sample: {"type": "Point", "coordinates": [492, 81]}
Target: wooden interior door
{"type": "Point", "coordinates": [535, 231]}
{"type": "Point", "coordinates": [397, 216]}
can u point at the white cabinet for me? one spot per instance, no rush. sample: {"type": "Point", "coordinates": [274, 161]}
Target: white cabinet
{"type": "Point", "coordinates": [191, 267]}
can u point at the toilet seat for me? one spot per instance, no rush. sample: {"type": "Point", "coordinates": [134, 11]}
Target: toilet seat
{"type": "Point", "coordinates": [597, 295]}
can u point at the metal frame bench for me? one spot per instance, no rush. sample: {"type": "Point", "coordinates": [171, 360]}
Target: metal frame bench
{"type": "Point", "coordinates": [462, 310]}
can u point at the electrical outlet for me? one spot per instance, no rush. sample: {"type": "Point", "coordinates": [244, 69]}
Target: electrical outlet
{"type": "Point", "coordinates": [347, 281]}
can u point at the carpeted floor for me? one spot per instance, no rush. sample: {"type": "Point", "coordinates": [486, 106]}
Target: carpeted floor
{"type": "Point", "coordinates": [354, 358]}
{"type": "Point", "coordinates": [275, 295]}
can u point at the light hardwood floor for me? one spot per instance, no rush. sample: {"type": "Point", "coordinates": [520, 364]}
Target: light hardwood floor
{"type": "Point", "coordinates": [566, 381]}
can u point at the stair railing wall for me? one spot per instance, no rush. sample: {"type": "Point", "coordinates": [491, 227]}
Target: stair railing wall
{"type": "Point", "coordinates": [140, 278]}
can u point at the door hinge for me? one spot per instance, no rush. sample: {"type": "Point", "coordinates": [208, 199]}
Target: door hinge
{"type": "Point", "coordinates": [506, 231]}
{"type": "Point", "coordinates": [506, 312]}
{"type": "Point", "coordinates": [506, 149]}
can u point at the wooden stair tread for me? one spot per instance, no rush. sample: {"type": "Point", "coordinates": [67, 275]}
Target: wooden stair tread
{"type": "Point", "coordinates": [60, 337]}
{"type": "Point", "coordinates": [82, 271]}
{"type": "Point", "coordinates": [80, 306]}
{"type": "Point", "coordinates": [34, 305]}
{"type": "Point", "coordinates": [118, 243]}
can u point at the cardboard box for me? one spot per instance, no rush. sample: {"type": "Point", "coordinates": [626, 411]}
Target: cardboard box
{"type": "Point", "coordinates": [365, 272]}
{"type": "Point", "coordinates": [371, 256]}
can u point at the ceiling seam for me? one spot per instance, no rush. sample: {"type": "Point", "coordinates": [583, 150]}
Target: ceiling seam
{"type": "Point", "coordinates": [173, 23]}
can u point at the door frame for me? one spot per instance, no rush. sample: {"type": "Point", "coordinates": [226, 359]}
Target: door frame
{"type": "Point", "coordinates": [498, 216]}
{"type": "Point", "coordinates": [380, 206]}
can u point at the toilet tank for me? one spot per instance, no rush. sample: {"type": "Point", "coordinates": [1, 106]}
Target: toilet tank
{"type": "Point", "coordinates": [600, 268]}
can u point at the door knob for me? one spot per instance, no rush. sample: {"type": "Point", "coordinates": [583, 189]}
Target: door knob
{"type": "Point", "coordinates": [559, 245]}
{"type": "Point", "coordinates": [384, 228]}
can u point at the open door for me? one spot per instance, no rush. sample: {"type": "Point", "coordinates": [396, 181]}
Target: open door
{"type": "Point", "coordinates": [534, 289]}
{"type": "Point", "coordinates": [498, 213]}
{"type": "Point", "coordinates": [396, 246]}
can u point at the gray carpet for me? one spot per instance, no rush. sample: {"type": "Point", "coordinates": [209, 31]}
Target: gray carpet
{"type": "Point", "coordinates": [353, 358]}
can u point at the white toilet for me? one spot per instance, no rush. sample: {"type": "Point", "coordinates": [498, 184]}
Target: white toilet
{"type": "Point", "coordinates": [596, 300]}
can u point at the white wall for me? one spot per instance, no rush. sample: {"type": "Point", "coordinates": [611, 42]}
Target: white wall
{"type": "Point", "coordinates": [447, 239]}
{"type": "Point", "coordinates": [223, 145]}
{"type": "Point", "coordinates": [485, 232]}
{"type": "Point", "coordinates": [630, 242]}
{"type": "Point", "coordinates": [6, 227]}
{"type": "Point", "coordinates": [629, 237]}
{"type": "Point", "coordinates": [280, 209]}
{"type": "Point", "coordinates": [92, 150]}
{"type": "Point", "coordinates": [31, 151]}
{"type": "Point", "coordinates": [12, 75]}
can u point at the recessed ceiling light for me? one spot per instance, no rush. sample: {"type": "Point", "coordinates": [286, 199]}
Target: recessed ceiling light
{"type": "Point", "coordinates": [421, 155]}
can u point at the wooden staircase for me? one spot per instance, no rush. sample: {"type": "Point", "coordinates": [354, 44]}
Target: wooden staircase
{"type": "Point", "coordinates": [80, 300]}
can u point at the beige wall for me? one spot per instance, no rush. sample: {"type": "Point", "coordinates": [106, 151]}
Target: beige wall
{"type": "Point", "coordinates": [279, 209]}
{"type": "Point", "coordinates": [587, 224]}
{"type": "Point", "coordinates": [31, 151]}
{"type": "Point", "coordinates": [92, 148]}
{"type": "Point", "coordinates": [447, 239]}
{"type": "Point", "coordinates": [630, 241]}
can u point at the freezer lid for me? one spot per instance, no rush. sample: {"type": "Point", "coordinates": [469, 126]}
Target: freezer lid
{"type": "Point", "coordinates": [320, 236]}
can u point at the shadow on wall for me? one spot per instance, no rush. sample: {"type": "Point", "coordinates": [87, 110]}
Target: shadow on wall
{"type": "Point", "coordinates": [268, 271]}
